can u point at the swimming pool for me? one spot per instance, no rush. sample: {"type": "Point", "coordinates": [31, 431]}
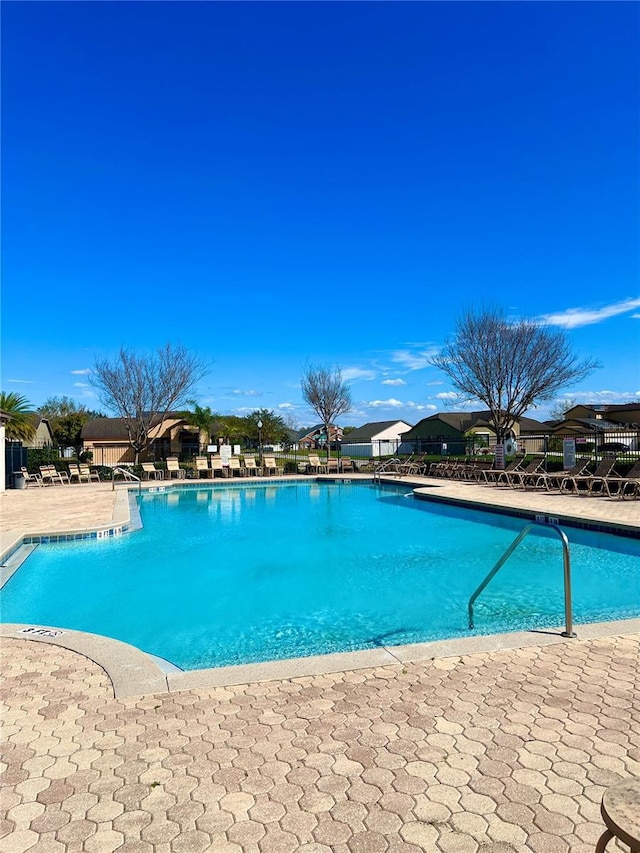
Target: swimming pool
{"type": "Point", "coordinates": [234, 574]}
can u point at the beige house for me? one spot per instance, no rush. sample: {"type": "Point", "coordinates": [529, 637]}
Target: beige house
{"type": "Point", "coordinates": [43, 436]}
{"type": "Point", "coordinates": [107, 440]}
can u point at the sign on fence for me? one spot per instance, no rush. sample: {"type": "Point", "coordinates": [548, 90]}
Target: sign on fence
{"type": "Point", "coordinates": [568, 452]}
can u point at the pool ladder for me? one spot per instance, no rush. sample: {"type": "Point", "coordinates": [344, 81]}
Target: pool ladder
{"type": "Point", "coordinates": [568, 631]}
{"type": "Point", "coordinates": [127, 475]}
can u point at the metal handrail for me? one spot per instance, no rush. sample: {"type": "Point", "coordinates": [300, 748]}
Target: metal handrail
{"type": "Point", "coordinates": [382, 467]}
{"type": "Point", "coordinates": [128, 475]}
{"type": "Point", "coordinates": [568, 632]}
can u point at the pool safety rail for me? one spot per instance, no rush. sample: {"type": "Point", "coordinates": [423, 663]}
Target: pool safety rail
{"type": "Point", "coordinates": [388, 466]}
{"type": "Point", "coordinates": [127, 475]}
{"type": "Point", "coordinates": [568, 631]}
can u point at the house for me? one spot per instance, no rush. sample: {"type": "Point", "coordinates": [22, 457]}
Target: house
{"type": "Point", "coordinates": [316, 437]}
{"type": "Point", "coordinates": [625, 415]}
{"type": "Point", "coordinates": [606, 423]}
{"type": "Point", "coordinates": [451, 432]}
{"type": "Point", "coordinates": [42, 436]}
{"type": "Point", "coordinates": [378, 438]}
{"type": "Point", "coordinates": [107, 440]}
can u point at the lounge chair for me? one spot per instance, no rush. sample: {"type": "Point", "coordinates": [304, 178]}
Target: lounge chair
{"type": "Point", "coordinates": [624, 487]}
{"type": "Point", "coordinates": [90, 474]}
{"type": "Point", "coordinates": [217, 468]}
{"type": "Point", "coordinates": [332, 466]}
{"type": "Point", "coordinates": [502, 477]}
{"type": "Point", "coordinates": [252, 469]}
{"type": "Point", "coordinates": [202, 468]}
{"type": "Point", "coordinates": [314, 465]}
{"type": "Point", "coordinates": [235, 468]}
{"type": "Point", "coordinates": [346, 464]}
{"type": "Point", "coordinates": [270, 466]}
{"type": "Point", "coordinates": [174, 469]}
{"type": "Point", "coordinates": [554, 479]}
{"type": "Point", "coordinates": [520, 479]}
{"type": "Point", "coordinates": [582, 484]}
{"type": "Point", "coordinates": [51, 475]}
{"type": "Point", "coordinates": [31, 478]}
{"type": "Point", "coordinates": [150, 472]}
{"type": "Point", "coordinates": [75, 473]}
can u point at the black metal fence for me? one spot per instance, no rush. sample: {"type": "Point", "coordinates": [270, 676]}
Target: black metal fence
{"type": "Point", "coordinates": [15, 457]}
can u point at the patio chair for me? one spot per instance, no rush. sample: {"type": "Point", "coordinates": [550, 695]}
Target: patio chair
{"type": "Point", "coordinates": [174, 469]}
{"type": "Point", "coordinates": [51, 475]}
{"type": "Point", "coordinates": [31, 478]}
{"type": "Point", "coordinates": [624, 487]}
{"type": "Point", "coordinates": [346, 464]}
{"type": "Point", "coordinates": [252, 468]}
{"type": "Point", "coordinates": [582, 484]}
{"type": "Point", "coordinates": [150, 472]}
{"type": "Point", "coordinates": [520, 479]}
{"type": "Point", "coordinates": [270, 466]}
{"type": "Point", "coordinates": [217, 468]}
{"type": "Point", "coordinates": [235, 468]}
{"type": "Point", "coordinates": [75, 473]}
{"type": "Point", "coordinates": [501, 478]}
{"type": "Point", "coordinates": [89, 473]}
{"type": "Point", "coordinates": [553, 479]}
{"type": "Point", "coordinates": [202, 468]}
{"type": "Point", "coordinates": [332, 466]}
{"type": "Point", "coordinates": [315, 466]}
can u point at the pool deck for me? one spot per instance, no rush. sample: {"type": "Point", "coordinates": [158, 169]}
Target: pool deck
{"type": "Point", "coordinates": [491, 744]}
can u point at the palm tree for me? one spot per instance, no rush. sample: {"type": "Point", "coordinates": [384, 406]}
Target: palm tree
{"type": "Point", "coordinates": [201, 416]}
{"type": "Point", "coordinates": [20, 426]}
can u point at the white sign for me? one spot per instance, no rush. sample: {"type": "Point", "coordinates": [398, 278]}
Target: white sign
{"type": "Point", "coordinates": [212, 448]}
{"type": "Point", "coordinates": [498, 452]}
{"type": "Point", "coordinates": [236, 450]}
{"type": "Point", "coordinates": [225, 453]}
{"type": "Point", "coordinates": [568, 452]}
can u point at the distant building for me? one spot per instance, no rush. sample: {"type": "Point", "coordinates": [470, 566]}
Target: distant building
{"type": "Point", "coordinates": [43, 436]}
{"type": "Point", "coordinates": [601, 423]}
{"type": "Point", "coordinates": [454, 429]}
{"type": "Point", "coordinates": [311, 439]}
{"type": "Point", "coordinates": [378, 438]}
{"type": "Point", "coordinates": [107, 440]}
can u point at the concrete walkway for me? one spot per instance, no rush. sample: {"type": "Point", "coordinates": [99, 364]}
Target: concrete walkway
{"type": "Point", "coordinates": [497, 751]}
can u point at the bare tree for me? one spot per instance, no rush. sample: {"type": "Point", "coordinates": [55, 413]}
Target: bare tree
{"type": "Point", "coordinates": [144, 389]}
{"type": "Point", "coordinates": [558, 409]}
{"type": "Point", "coordinates": [508, 366]}
{"type": "Point", "coordinates": [328, 395]}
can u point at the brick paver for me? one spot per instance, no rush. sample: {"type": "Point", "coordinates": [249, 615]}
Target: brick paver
{"type": "Point", "coordinates": [492, 752]}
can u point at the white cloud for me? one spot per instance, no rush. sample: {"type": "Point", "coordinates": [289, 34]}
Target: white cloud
{"type": "Point", "coordinates": [81, 385]}
{"type": "Point", "coordinates": [393, 382]}
{"type": "Point", "coordinates": [84, 372]}
{"type": "Point", "coordinates": [635, 316]}
{"type": "Point", "coordinates": [573, 318]}
{"type": "Point", "coordinates": [391, 403]}
{"type": "Point", "coordinates": [421, 407]}
{"type": "Point", "coordinates": [357, 373]}
{"type": "Point", "coordinates": [414, 359]}
{"type": "Point", "coordinates": [446, 395]}
{"type": "Point", "coordinates": [249, 392]}
{"type": "Point", "coordinates": [435, 382]}
{"type": "Point", "coordinates": [22, 381]}
{"type": "Point", "coordinates": [286, 406]}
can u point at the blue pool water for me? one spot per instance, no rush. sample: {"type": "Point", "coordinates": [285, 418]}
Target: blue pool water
{"type": "Point", "coordinates": [237, 574]}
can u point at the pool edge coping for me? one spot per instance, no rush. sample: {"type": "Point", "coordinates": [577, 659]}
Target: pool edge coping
{"type": "Point", "coordinates": [133, 672]}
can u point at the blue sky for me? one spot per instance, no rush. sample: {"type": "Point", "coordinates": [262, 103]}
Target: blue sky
{"type": "Point", "coordinates": [273, 184]}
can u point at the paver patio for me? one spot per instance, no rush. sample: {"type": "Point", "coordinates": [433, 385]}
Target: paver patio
{"type": "Point", "coordinates": [498, 751]}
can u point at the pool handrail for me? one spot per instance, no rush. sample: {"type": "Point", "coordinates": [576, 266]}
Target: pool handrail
{"type": "Point", "coordinates": [568, 631]}
{"type": "Point", "coordinates": [385, 467]}
{"type": "Point", "coordinates": [128, 475]}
